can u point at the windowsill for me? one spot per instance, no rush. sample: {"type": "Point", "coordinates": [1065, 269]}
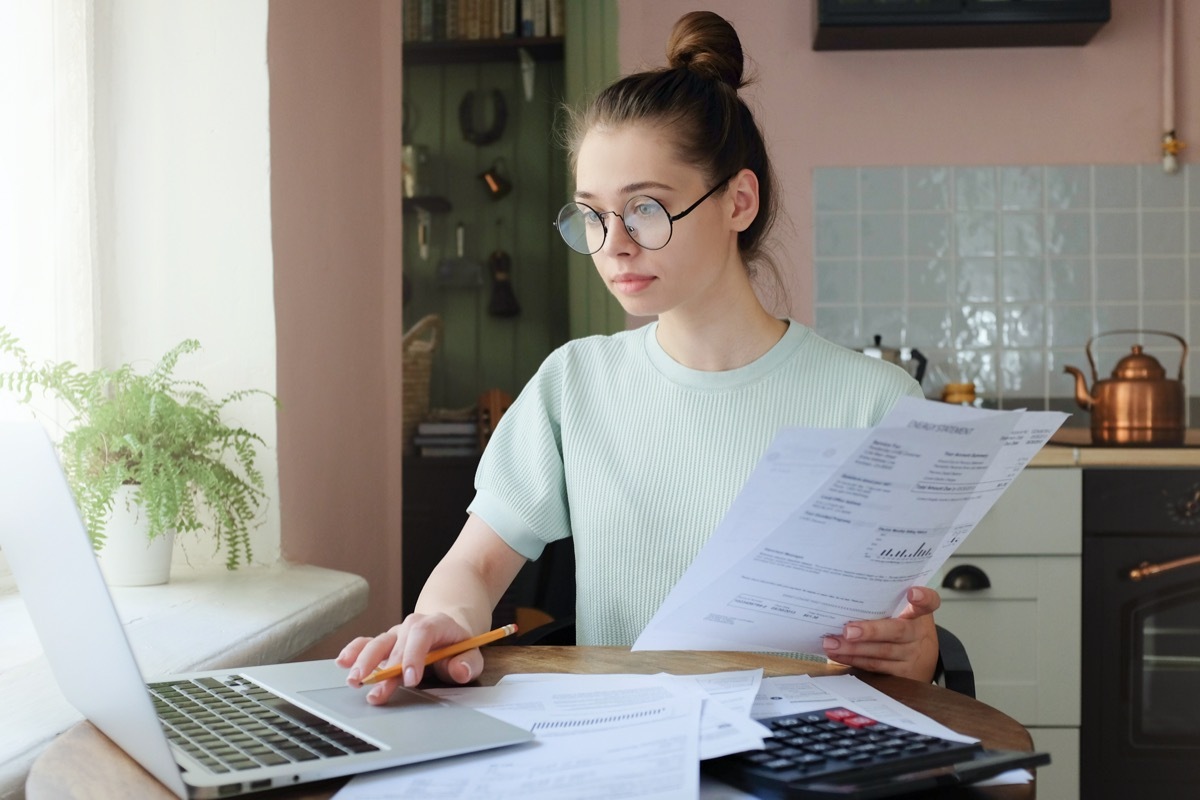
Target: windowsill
{"type": "Point", "coordinates": [200, 620]}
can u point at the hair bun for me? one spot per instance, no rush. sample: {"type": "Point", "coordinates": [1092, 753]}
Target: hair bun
{"type": "Point", "coordinates": [707, 45]}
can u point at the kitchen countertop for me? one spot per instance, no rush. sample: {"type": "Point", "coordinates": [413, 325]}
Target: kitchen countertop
{"type": "Point", "coordinates": [1071, 447]}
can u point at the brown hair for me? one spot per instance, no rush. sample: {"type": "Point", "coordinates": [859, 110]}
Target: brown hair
{"type": "Point", "coordinates": [696, 95]}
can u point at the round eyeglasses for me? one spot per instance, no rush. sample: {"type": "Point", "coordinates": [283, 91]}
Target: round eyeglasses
{"type": "Point", "coordinates": [646, 220]}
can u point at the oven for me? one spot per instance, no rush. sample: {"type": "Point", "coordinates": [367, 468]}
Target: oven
{"type": "Point", "coordinates": [1140, 732]}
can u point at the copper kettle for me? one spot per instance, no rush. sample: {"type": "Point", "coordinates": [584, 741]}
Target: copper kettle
{"type": "Point", "coordinates": [1139, 404]}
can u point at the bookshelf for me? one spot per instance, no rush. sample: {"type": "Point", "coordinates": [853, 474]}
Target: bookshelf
{"type": "Point", "coordinates": [474, 31]}
{"type": "Point", "coordinates": [474, 51]}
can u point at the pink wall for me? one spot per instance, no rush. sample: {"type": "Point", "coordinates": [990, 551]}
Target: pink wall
{"type": "Point", "coordinates": [1100, 103]}
{"type": "Point", "coordinates": [336, 216]}
{"type": "Point", "coordinates": [335, 133]}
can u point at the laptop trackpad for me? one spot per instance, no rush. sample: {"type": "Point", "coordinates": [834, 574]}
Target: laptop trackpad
{"type": "Point", "coordinates": [349, 703]}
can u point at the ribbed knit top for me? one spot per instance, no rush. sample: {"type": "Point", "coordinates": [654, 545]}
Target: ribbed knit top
{"type": "Point", "coordinates": [638, 457]}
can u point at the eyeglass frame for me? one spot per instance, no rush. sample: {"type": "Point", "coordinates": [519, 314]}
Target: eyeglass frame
{"type": "Point", "coordinates": [671, 220]}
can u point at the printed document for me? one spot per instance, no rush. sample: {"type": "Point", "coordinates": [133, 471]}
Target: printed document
{"type": "Point", "coordinates": [635, 738]}
{"type": "Point", "coordinates": [836, 525]}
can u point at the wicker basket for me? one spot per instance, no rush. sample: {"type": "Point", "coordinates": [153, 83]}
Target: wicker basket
{"type": "Point", "coordinates": [420, 343]}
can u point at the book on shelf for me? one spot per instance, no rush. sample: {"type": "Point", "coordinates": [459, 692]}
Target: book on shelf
{"type": "Point", "coordinates": [508, 19]}
{"type": "Point", "coordinates": [446, 441]}
{"type": "Point", "coordinates": [459, 20]}
{"type": "Point", "coordinates": [533, 18]}
{"type": "Point", "coordinates": [448, 428]}
{"type": "Point", "coordinates": [412, 21]}
{"type": "Point", "coordinates": [431, 451]}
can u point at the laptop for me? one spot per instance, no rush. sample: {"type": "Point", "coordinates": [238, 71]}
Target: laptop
{"type": "Point", "coordinates": [215, 733]}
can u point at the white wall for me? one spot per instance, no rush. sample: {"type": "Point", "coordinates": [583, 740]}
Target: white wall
{"type": "Point", "coordinates": [182, 181]}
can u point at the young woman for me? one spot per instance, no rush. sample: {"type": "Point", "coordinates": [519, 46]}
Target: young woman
{"type": "Point", "coordinates": [636, 444]}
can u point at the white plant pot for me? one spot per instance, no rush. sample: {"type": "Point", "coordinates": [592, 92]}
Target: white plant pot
{"type": "Point", "coordinates": [128, 556]}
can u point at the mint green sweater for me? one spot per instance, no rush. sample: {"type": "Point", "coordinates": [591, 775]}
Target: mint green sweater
{"type": "Point", "coordinates": [637, 457]}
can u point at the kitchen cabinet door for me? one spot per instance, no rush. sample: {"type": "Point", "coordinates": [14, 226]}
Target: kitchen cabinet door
{"type": "Point", "coordinates": [1022, 634]}
{"type": "Point", "coordinates": [1040, 514]}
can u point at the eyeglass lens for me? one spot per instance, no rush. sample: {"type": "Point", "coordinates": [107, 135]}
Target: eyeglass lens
{"type": "Point", "coordinates": [584, 229]}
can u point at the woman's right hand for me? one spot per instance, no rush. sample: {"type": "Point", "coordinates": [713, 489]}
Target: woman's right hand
{"type": "Point", "coordinates": [408, 643]}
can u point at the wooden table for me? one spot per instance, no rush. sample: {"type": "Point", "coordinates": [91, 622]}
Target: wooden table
{"type": "Point", "coordinates": [84, 764]}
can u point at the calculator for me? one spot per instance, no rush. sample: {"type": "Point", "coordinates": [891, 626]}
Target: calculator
{"type": "Point", "coordinates": [837, 752]}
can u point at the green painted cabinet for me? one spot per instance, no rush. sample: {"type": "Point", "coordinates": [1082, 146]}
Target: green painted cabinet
{"type": "Point", "coordinates": [559, 294]}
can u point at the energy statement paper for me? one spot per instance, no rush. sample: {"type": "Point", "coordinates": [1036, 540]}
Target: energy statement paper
{"type": "Point", "coordinates": [835, 525]}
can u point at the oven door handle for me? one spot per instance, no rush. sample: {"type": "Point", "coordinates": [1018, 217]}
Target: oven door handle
{"type": "Point", "coordinates": [1146, 569]}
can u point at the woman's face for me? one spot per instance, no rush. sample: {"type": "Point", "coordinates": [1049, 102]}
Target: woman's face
{"type": "Point", "coordinates": [616, 165]}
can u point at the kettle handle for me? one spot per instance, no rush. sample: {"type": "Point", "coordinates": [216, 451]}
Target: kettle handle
{"type": "Point", "coordinates": [1176, 337]}
{"type": "Point", "coordinates": [921, 362]}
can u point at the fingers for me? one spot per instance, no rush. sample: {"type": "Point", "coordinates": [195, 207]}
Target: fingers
{"type": "Point", "coordinates": [350, 652]}
{"type": "Point", "coordinates": [921, 601]}
{"type": "Point", "coordinates": [408, 643]}
{"type": "Point", "coordinates": [903, 646]}
{"type": "Point", "coordinates": [364, 655]}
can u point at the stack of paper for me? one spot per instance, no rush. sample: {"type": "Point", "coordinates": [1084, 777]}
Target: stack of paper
{"type": "Point", "coordinates": [628, 736]}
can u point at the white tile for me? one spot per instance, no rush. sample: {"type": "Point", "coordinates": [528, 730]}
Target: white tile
{"type": "Point", "coordinates": [1113, 317]}
{"type": "Point", "coordinates": [882, 235]}
{"type": "Point", "coordinates": [1022, 279]}
{"type": "Point", "coordinates": [836, 236]}
{"type": "Point", "coordinates": [1164, 280]}
{"type": "Point", "coordinates": [1116, 233]}
{"type": "Point", "coordinates": [1117, 280]}
{"type": "Point", "coordinates": [1023, 373]}
{"type": "Point", "coordinates": [1020, 188]}
{"type": "Point", "coordinates": [928, 188]}
{"type": "Point", "coordinates": [929, 281]}
{"type": "Point", "coordinates": [881, 188]}
{"type": "Point", "coordinates": [1024, 325]}
{"type": "Point", "coordinates": [1169, 317]}
{"type": "Point", "coordinates": [886, 322]}
{"type": "Point", "coordinates": [1160, 189]}
{"type": "Point", "coordinates": [975, 325]}
{"type": "Point", "coordinates": [975, 234]}
{"type": "Point", "coordinates": [1021, 234]}
{"type": "Point", "coordinates": [883, 282]}
{"type": "Point", "coordinates": [1068, 187]}
{"type": "Point", "coordinates": [976, 279]}
{"type": "Point", "coordinates": [975, 188]}
{"type": "Point", "coordinates": [928, 328]}
{"type": "Point", "coordinates": [1115, 186]}
{"type": "Point", "coordinates": [1068, 325]}
{"type": "Point", "coordinates": [835, 189]}
{"type": "Point", "coordinates": [929, 235]}
{"type": "Point", "coordinates": [840, 324]}
{"type": "Point", "coordinates": [1068, 233]}
{"type": "Point", "coordinates": [1069, 279]}
{"type": "Point", "coordinates": [1163, 232]}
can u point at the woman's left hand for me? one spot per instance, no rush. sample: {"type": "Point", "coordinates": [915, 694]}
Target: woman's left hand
{"type": "Point", "coordinates": [906, 645]}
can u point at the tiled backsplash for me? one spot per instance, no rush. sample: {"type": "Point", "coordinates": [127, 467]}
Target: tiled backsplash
{"type": "Point", "coordinates": [999, 275]}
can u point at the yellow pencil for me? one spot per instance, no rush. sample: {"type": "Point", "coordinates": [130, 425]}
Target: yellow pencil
{"type": "Point", "coordinates": [445, 652]}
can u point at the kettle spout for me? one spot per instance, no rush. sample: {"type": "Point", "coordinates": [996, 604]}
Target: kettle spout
{"type": "Point", "coordinates": [1082, 397]}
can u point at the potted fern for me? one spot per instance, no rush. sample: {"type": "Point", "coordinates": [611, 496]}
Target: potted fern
{"type": "Point", "coordinates": [155, 438]}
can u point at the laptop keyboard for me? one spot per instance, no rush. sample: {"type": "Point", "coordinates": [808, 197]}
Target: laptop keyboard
{"type": "Point", "coordinates": [234, 724]}
{"type": "Point", "coordinates": [822, 747]}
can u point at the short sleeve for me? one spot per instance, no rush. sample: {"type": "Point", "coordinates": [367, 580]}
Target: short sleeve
{"type": "Point", "coordinates": [520, 486]}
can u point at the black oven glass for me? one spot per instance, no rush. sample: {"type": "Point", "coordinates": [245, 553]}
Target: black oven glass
{"type": "Point", "coordinates": [1166, 669]}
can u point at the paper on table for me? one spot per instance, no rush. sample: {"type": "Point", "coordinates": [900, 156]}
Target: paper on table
{"type": "Point", "coordinates": [725, 722]}
{"type": "Point", "coordinates": [890, 504]}
{"type": "Point", "coordinates": [637, 740]}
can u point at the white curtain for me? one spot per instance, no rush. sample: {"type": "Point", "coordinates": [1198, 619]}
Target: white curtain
{"type": "Point", "coordinates": [48, 279]}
